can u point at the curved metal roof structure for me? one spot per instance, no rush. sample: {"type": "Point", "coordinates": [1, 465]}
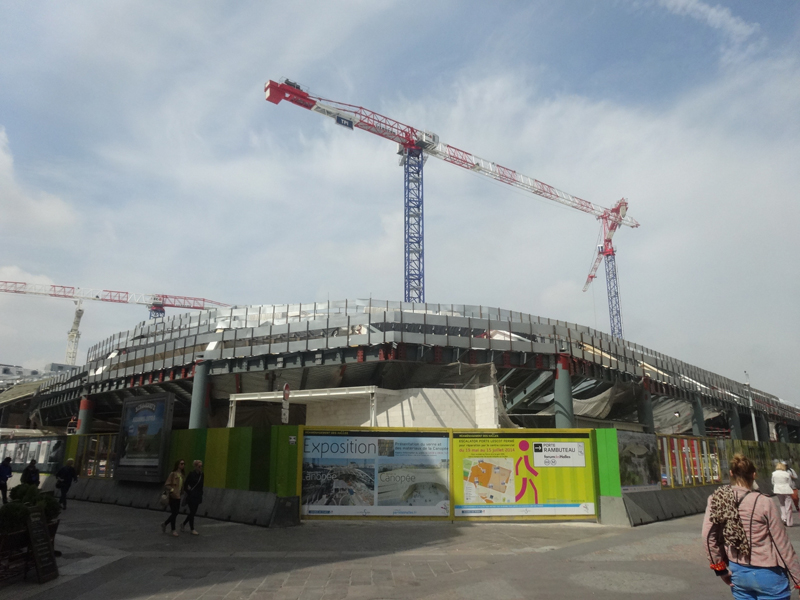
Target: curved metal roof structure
{"type": "Point", "coordinates": [394, 344]}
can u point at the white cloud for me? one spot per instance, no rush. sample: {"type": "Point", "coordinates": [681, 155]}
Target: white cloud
{"type": "Point", "coordinates": [717, 17]}
{"type": "Point", "coordinates": [26, 210]}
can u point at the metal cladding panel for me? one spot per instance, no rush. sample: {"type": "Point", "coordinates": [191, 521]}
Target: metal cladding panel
{"type": "Point", "coordinates": [338, 321]}
{"type": "Point", "coordinates": [482, 324]}
{"type": "Point", "coordinates": [501, 345]}
{"type": "Point", "coordinates": [297, 346]}
{"type": "Point", "coordinates": [561, 330]}
{"type": "Point", "coordinates": [230, 334]}
{"type": "Point", "coordinates": [261, 350]}
{"type": "Point", "coordinates": [436, 340]}
{"type": "Point", "coordinates": [523, 328]}
{"type": "Point", "coordinates": [459, 342]}
{"type": "Point", "coordinates": [280, 329]}
{"type": "Point", "coordinates": [393, 337]}
{"type": "Point", "coordinates": [436, 320]}
{"type": "Point", "coordinates": [262, 331]}
{"type": "Point", "coordinates": [158, 365]}
{"type": "Point", "coordinates": [413, 338]}
{"type": "Point", "coordinates": [414, 318]}
{"type": "Point", "coordinates": [517, 346]}
{"type": "Point", "coordinates": [544, 348]}
{"type": "Point", "coordinates": [542, 330]}
{"type": "Point", "coordinates": [458, 322]}
{"type": "Point", "coordinates": [317, 343]}
{"type": "Point", "coordinates": [228, 353]}
{"type": "Point", "coordinates": [480, 343]}
{"type": "Point", "coordinates": [359, 340]}
{"type": "Point", "coordinates": [214, 354]}
{"type": "Point", "coordinates": [339, 341]}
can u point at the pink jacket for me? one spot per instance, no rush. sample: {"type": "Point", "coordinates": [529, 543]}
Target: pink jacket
{"type": "Point", "coordinates": [770, 546]}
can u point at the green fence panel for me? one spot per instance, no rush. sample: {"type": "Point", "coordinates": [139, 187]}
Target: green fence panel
{"type": "Point", "coordinates": [260, 460]}
{"type": "Point", "coordinates": [238, 466]}
{"type": "Point", "coordinates": [608, 462]}
{"type": "Point", "coordinates": [216, 466]}
{"type": "Point", "coordinates": [283, 460]}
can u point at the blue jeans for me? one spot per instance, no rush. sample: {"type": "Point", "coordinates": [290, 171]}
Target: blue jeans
{"type": "Point", "coordinates": [759, 583]}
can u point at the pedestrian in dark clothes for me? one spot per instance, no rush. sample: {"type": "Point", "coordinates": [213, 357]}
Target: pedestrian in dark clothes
{"type": "Point", "coordinates": [193, 488]}
{"type": "Point", "coordinates": [174, 485]}
{"type": "Point", "coordinates": [30, 474]}
{"type": "Point", "coordinates": [5, 475]}
{"type": "Point", "coordinates": [64, 478]}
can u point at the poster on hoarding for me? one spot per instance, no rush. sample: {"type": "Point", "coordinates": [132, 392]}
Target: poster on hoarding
{"type": "Point", "coordinates": [639, 464]}
{"type": "Point", "coordinates": [522, 473]}
{"type": "Point", "coordinates": [376, 473]}
{"type": "Point", "coordinates": [143, 440]}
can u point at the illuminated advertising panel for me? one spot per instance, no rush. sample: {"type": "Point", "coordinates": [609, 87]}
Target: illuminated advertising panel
{"type": "Point", "coordinates": [143, 440]}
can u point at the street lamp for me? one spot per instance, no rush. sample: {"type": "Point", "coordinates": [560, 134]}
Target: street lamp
{"type": "Point", "coordinates": [752, 410]}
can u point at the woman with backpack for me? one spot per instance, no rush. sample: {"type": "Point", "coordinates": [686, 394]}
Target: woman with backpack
{"type": "Point", "coordinates": [746, 541]}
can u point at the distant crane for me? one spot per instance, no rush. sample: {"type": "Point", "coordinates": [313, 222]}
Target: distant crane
{"type": "Point", "coordinates": [414, 146]}
{"type": "Point", "coordinates": [156, 303]}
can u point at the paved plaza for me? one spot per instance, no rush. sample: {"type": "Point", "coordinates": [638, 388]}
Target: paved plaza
{"type": "Point", "coordinates": [115, 553]}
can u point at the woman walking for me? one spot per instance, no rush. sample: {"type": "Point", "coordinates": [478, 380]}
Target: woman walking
{"type": "Point", "coordinates": [174, 485]}
{"type": "Point", "coordinates": [746, 543]}
{"type": "Point", "coordinates": [65, 476]}
{"type": "Point", "coordinates": [782, 488]}
{"type": "Point", "coordinates": [193, 488]}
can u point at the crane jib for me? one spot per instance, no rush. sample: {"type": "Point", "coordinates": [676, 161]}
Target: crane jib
{"type": "Point", "coordinates": [344, 122]}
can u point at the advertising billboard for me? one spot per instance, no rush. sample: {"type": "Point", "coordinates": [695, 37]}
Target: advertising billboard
{"type": "Point", "coordinates": [389, 473]}
{"type": "Point", "coordinates": [143, 440]}
{"type": "Point", "coordinates": [522, 473]}
{"type": "Point", "coordinates": [639, 463]}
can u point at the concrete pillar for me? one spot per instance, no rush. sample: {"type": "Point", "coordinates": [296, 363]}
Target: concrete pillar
{"type": "Point", "coordinates": [735, 423]}
{"type": "Point", "coordinates": [198, 413]}
{"type": "Point", "coordinates": [85, 416]}
{"type": "Point", "coordinates": [763, 427]}
{"type": "Point", "coordinates": [644, 411]}
{"type": "Point", "coordinates": [698, 418]}
{"type": "Point", "coordinates": [565, 416]}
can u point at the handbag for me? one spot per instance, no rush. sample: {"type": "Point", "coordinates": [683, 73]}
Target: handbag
{"type": "Point", "coordinates": [164, 498]}
{"type": "Point", "coordinates": [59, 484]}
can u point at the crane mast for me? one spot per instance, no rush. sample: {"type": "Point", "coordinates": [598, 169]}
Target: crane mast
{"type": "Point", "coordinates": [414, 146]}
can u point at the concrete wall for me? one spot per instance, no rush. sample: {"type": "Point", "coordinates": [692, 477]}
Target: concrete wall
{"type": "Point", "coordinates": [661, 505]}
{"type": "Point", "coordinates": [241, 506]}
{"type": "Point", "coordinates": [417, 407]}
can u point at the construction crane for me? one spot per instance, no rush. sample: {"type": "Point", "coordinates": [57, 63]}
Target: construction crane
{"type": "Point", "coordinates": [414, 146]}
{"type": "Point", "coordinates": [610, 221]}
{"type": "Point", "coordinates": [156, 303]}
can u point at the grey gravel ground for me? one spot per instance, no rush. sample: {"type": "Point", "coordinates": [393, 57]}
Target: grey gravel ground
{"type": "Point", "coordinates": [114, 553]}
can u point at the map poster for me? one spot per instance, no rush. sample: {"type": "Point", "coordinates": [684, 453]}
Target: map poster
{"type": "Point", "coordinates": [381, 473]}
{"type": "Point", "coordinates": [522, 473]}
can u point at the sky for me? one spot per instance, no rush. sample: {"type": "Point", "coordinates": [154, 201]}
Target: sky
{"type": "Point", "coordinates": [137, 153]}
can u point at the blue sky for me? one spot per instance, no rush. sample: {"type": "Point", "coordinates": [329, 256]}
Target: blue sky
{"type": "Point", "coordinates": [137, 153]}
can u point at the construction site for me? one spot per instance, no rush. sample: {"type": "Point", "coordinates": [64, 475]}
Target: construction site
{"type": "Point", "coordinates": [366, 367]}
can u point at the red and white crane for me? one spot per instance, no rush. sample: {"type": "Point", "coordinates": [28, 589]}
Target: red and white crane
{"type": "Point", "coordinates": [416, 144]}
{"type": "Point", "coordinates": [156, 303]}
